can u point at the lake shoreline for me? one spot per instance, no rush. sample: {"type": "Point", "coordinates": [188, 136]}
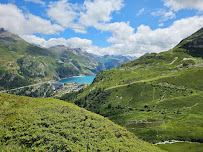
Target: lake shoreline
{"type": "Point", "coordinates": [78, 79]}
{"type": "Point", "coordinates": [76, 76]}
{"type": "Point", "coordinates": [73, 77]}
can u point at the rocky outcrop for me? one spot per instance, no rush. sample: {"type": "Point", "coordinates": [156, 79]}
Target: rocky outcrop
{"type": "Point", "coordinates": [193, 44]}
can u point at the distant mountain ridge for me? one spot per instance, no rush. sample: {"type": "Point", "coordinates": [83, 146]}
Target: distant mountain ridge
{"type": "Point", "coordinates": [108, 61]}
{"type": "Point", "coordinates": [113, 61]}
{"type": "Point", "coordinates": [82, 60]}
{"type": "Point", "coordinates": [22, 63]}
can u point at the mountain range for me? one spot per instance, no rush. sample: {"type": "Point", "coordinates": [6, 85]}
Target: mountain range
{"type": "Point", "coordinates": [155, 98]}
{"type": "Point", "coordinates": [113, 61]}
{"type": "Point", "coordinates": [22, 64]}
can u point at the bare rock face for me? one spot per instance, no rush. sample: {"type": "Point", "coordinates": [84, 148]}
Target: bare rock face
{"type": "Point", "coordinates": [195, 47]}
{"type": "Point", "coordinates": [194, 44]}
{"type": "Point", "coordinates": [2, 30]}
{"type": "Point", "coordinates": [197, 43]}
{"type": "Point", "coordinates": [8, 36]}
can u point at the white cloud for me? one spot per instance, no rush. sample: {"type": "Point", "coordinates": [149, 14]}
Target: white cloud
{"type": "Point", "coordinates": [35, 24]}
{"type": "Point", "coordinates": [11, 1]}
{"type": "Point", "coordinates": [161, 24]}
{"type": "Point", "coordinates": [164, 14]}
{"type": "Point", "coordinates": [140, 12]}
{"type": "Point", "coordinates": [121, 31]}
{"type": "Point", "coordinates": [158, 40]}
{"type": "Point", "coordinates": [74, 42]}
{"type": "Point", "coordinates": [97, 14]}
{"type": "Point", "coordinates": [65, 14]}
{"type": "Point", "coordinates": [144, 40]}
{"type": "Point", "coordinates": [99, 11]}
{"type": "Point", "coordinates": [183, 4]}
{"type": "Point", "coordinates": [34, 39]}
{"type": "Point", "coordinates": [12, 19]}
{"type": "Point", "coordinates": [79, 17]}
{"type": "Point", "coordinates": [36, 1]}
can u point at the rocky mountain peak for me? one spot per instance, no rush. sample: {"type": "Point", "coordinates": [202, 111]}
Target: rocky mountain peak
{"type": "Point", "coordinates": [193, 44]}
{"type": "Point", "coordinates": [8, 36]}
{"type": "Point", "coordinates": [2, 30]}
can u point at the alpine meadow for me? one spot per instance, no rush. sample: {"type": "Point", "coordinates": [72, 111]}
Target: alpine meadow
{"type": "Point", "coordinates": [157, 97]}
{"type": "Point", "coordinates": [101, 76]}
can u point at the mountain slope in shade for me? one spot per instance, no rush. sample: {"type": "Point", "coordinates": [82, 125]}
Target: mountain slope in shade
{"type": "Point", "coordinates": [82, 60]}
{"type": "Point", "coordinates": [37, 124]}
{"type": "Point", "coordinates": [22, 63]}
{"type": "Point", "coordinates": [158, 97]}
{"type": "Point", "coordinates": [192, 45]}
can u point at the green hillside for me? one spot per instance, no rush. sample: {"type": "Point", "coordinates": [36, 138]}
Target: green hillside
{"type": "Point", "coordinates": [22, 63]}
{"type": "Point", "coordinates": [158, 97]}
{"type": "Point", "coordinates": [38, 124]}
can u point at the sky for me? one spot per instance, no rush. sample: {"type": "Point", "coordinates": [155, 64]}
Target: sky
{"type": "Point", "coordinates": [114, 27]}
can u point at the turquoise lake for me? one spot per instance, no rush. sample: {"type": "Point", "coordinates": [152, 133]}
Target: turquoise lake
{"type": "Point", "coordinates": [79, 80]}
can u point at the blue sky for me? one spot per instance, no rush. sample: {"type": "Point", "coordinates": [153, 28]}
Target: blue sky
{"type": "Point", "coordinates": [121, 27]}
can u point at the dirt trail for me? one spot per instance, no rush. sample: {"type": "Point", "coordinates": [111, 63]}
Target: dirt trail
{"type": "Point", "coordinates": [146, 80]}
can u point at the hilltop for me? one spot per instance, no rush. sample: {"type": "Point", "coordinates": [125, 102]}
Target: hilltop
{"type": "Point", "coordinates": [38, 124]}
{"type": "Point", "coordinates": [157, 97]}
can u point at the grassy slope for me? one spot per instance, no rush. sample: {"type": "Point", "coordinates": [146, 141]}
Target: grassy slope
{"type": "Point", "coordinates": [158, 97]}
{"type": "Point", "coordinates": [37, 124]}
